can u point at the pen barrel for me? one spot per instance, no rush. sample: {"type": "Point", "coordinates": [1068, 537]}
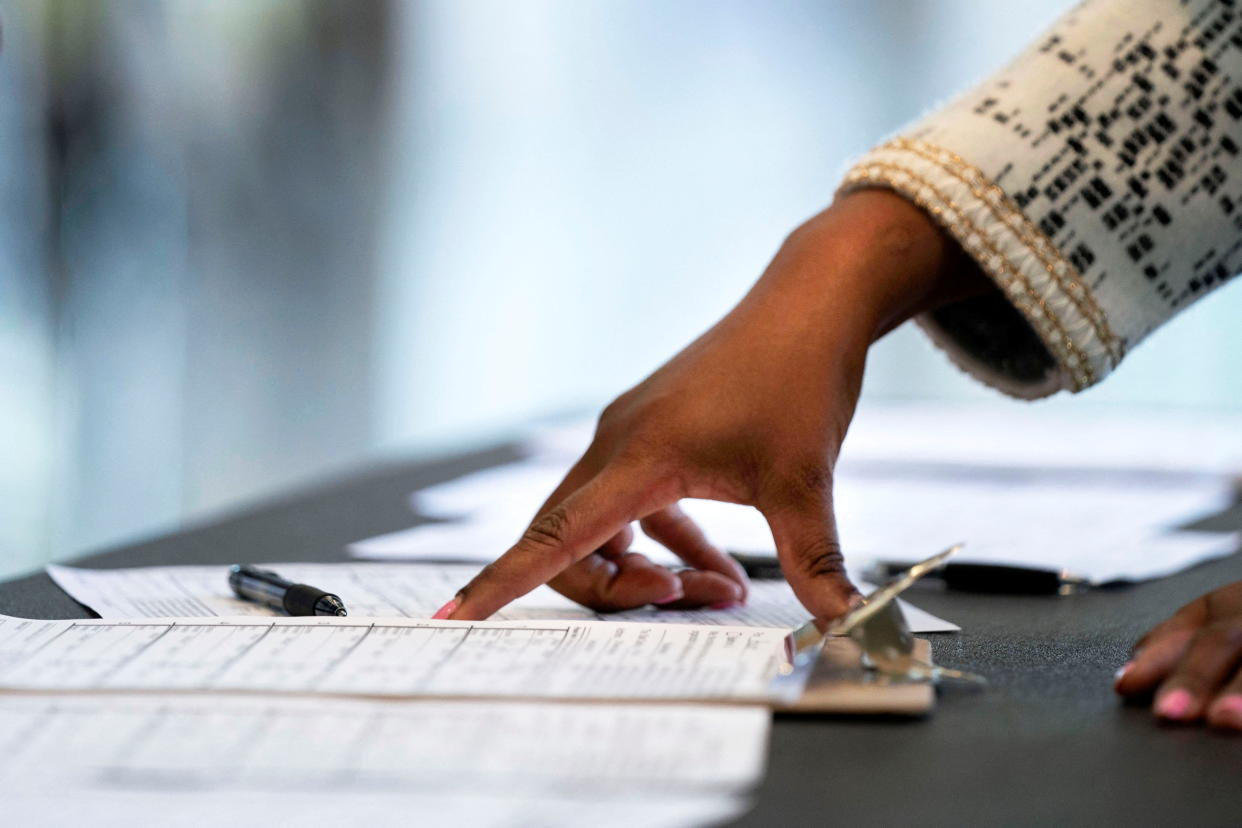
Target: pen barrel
{"type": "Point", "coordinates": [258, 585]}
{"type": "Point", "coordinates": [301, 599]}
{"type": "Point", "coordinates": [995, 578]}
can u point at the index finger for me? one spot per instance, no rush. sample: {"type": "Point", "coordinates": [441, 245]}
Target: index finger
{"type": "Point", "coordinates": [558, 538]}
{"type": "Point", "coordinates": [1159, 651]}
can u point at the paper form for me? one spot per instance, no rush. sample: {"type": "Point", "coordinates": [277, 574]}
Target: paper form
{"type": "Point", "coordinates": [210, 741]}
{"type": "Point", "coordinates": [413, 590]}
{"type": "Point", "coordinates": [230, 760]}
{"type": "Point", "coordinates": [368, 590]}
{"type": "Point", "coordinates": [397, 657]}
{"type": "Point", "coordinates": [772, 603]}
{"type": "Point", "coordinates": [120, 808]}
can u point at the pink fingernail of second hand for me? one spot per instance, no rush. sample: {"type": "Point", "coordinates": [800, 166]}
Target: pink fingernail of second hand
{"type": "Point", "coordinates": [1174, 705]}
{"type": "Point", "coordinates": [445, 611]}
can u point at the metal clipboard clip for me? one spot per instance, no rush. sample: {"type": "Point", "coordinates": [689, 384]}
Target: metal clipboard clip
{"type": "Point", "coordinates": [879, 628]}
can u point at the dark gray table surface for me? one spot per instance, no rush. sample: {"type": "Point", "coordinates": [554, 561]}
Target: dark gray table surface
{"type": "Point", "coordinates": [1046, 744]}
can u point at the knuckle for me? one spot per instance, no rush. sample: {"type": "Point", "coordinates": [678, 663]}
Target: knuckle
{"type": "Point", "coordinates": [608, 417]}
{"type": "Point", "coordinates": [806, 481]}
{"type": "Point", "coordinates": [821, 558]}
{"type": "Point", "coordinates": [813, 477]}
{"type": "Point", "coordinates": [654, 523]}
{"type": "Point", "coordinates": [669, 519]}
{"type": "Point", "coordinates": [614, 413]}
{"type": "Point", "coordinates": [548, 532]}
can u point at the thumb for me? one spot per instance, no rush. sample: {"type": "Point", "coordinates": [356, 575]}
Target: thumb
{"type": "Point", "coordinates": [810, 555]}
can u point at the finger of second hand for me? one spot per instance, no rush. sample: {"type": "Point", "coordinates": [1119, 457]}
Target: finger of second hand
{"type": "Point", "coordinates": [1225, 711]}
{"type": "Point", "coordinates": [1210, 660]}
{"type": "Point", "coordinates": [1151, 664]}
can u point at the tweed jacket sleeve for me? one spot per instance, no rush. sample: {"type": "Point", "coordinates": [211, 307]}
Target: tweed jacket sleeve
{"type": "Point", "coordinates": [1096, 180]}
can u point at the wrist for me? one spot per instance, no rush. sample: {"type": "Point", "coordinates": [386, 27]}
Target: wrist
{"type": "Point", "coordinates": [866, 264]}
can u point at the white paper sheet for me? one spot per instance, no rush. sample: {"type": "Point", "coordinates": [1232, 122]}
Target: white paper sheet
{"type": "Point", "coordinates": [395, 657]}
{"type": "Point", "coordinates": [411, 590]}
{"type": "Point", "coordinates": [1062, 435]}
{"type": "Point", "coordinates": [176, 741]}
{"type": "Point", "coordinates": [1104, 527]}
{"type": "Point", "coordinates": [119, 808]}
{"type": "Point", "coordinates": [481, 539]}
{"type": "Point", "coordinates": [1099, 530]}
{"type": "Point", "coordinates": [229, 760]}
{"type": "Point", "coordinates": [370, 590]}
{"type": "Point", "coordinates": [1074, 435]}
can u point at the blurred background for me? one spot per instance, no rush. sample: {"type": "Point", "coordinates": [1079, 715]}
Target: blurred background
{"type": "Point", "coordinates": [248, 244]}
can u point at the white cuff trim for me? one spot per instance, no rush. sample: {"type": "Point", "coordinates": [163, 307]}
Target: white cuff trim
{"type": "Point", "coordinates": [1044, 287]}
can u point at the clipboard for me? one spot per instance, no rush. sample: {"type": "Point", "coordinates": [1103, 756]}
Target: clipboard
{"type": "Point", "coordinates": [840, 683]}
{"type": "Point", "coordinates": [868, 662]}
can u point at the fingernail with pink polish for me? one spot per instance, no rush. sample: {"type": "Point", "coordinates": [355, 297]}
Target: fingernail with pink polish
{"type": "Point", "coordinates": [1174, 705]}
{"type": "Point", "coordinates": [446, 610]}
{"type": "Point", "coordinates": [724, 605]}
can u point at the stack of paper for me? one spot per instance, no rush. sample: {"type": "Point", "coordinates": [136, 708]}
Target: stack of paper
{"type": "Point", "coordinates": [233, 760]}
{"type": "Point", "coordinates": [1039, 497]}
{"type": "Point", "coordinates": [349, 720]}
{"type": "Point", "coordinates": [430, 747]}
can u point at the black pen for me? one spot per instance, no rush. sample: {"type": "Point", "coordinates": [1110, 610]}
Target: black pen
{"type": "Point", "coordinates": [758, 566]}
{"type": "Point", "coordinates": [1007, 579]}
{"type": "Point", "coordinates": [961, 576]}
{"type": "Point", "coordinates": [266, 587]}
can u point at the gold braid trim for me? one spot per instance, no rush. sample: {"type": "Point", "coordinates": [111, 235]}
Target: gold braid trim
{"type": "Point", "coordinates": [1005, 211]}
{"type": "Point", "coordinates": [976, 242]}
